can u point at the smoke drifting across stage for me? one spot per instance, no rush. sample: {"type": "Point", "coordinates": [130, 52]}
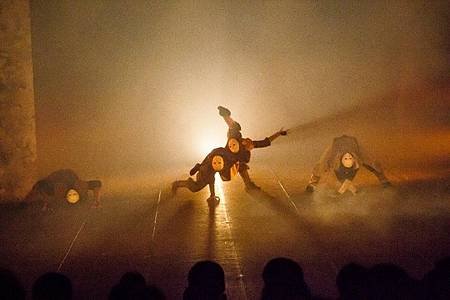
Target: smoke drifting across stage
{"type": "Point", "coordinates": [123, 89]}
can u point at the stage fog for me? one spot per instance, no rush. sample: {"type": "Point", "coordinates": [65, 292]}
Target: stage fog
{"type": "Point", "coordinates": [129, 90]}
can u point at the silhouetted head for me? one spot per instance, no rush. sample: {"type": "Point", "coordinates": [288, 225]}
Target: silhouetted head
{"type": "Point", "coordinates": [130, 282]}
{"type": "Point", "coordinates": [389, 281]}
{"type": "Point", "coordinates": [132, 278]}
{"type": "Point", "coordinates": [52, 285]}
{"type": "Point", "coordinates": [10, 286]}
{"type": "Point", "coordinates": [436, 282]}
{"type": "Point", "coordinates": [283, 279]}
{"type": "Point", "coordinates": [206, 280]}
{"type": "Point", "coordinates": [351, 281]}
{"type": "Point", "coordinates": [443, 265]}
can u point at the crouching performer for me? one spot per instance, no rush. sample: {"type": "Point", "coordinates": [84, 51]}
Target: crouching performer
{"type": "Point", "coordinates": [64, 184]}
{"type": "Point", "coordinates": [219, 160]}
{"type": "Point", "coordinates": [234, 131]}
{"type": "Point", "coordinates": [344, 157]}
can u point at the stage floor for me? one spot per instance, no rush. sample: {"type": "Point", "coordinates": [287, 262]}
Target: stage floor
{"type": "Point", "coordinates": [162, 236]}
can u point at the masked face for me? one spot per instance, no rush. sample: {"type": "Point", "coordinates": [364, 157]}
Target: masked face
{"type": "Point", "coordinates": [233, 145]}
{"type": "Point", "coordinates": [217, 163]}
{"type": "Point", "coordinates": [72, 196]}
{"type": "Point", "coordinates": [347, 160]}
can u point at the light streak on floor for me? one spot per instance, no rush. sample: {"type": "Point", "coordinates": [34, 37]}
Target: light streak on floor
{"type": "Point", "coordinates": [321, 245]}
{"type": "Point", "coordinates": [71, 246]}
{"type": "Point", "coordinates": [285, 191]}
{"type": "Point", "coordinates": [235, 283]}
{"type": "Point", "coordinates": [156, 216]}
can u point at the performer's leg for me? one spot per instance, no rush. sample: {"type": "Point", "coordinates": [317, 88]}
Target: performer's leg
{"type": "Point", "coordinates": [373, 166]}
{"type": "Point", "coordinates": [41, 191]}
{"type": "Point", "coordinates": [95, 186]}
{"type": "Point", "coordinates": [193, 186]}
{"type": "Point", "coordinates": [320, 168]}
{"type": "Point", "coordinates": [180, 184]}
{"type": "Point", "coordinates": [249, 184]}
{"type": "Point", "coordinates": [378, 172]}
{"type": "Point", "coordinates": [234, 127]}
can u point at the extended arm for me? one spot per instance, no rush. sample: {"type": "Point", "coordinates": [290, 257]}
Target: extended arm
{"type": "Point", "coordinates": [277, 134]}
{"type": "Point", "coordinates": [213, 200]}
{"type": "Point", "coordinates": [249, 144]}
{"type": "Point", "coordinates": [211, 189]}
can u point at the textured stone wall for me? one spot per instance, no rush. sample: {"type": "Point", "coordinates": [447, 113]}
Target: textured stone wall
{"type": "Point", "coordinates": [17, 119]}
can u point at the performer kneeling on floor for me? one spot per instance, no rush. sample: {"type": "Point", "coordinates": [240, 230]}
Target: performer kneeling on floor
{"type": "Point", "coordinates": [344, 157]}
{"type": "Point", "coordinates": [64, 184]}
{"type": "Point", "coordinates": [234, 131]}
{"type": "Point", "coordinates": [220, 160]}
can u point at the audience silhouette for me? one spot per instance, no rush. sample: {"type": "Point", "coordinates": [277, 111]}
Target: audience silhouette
{"type": "Point", "coordinates": [133, 286]}
{"type": "Point", "coordinates": [436, 283]}
{"type": "Point", "coordinates": [283, 279]}
{"type": "Point", "coordinates": [10, 286]}
{"type": "Point", "coordinates": [206, 281]}
{"type": "Point", "coordinates": [388, 281]}
{"type": "Point", "coordinates": [52, 285]}
{"type": "Point", "coordinates": [351, 282]}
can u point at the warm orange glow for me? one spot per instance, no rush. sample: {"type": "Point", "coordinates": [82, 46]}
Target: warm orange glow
{"type": "Point", "coordinates": [219, 189]}
{"type": "Point", "coordinates": [209, 142]}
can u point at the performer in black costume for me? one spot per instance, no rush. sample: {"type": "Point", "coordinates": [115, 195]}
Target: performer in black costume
{"type": "Point", "coordinates": [221, 160]}
{"type": "Point", "coordinates": [234, 131]}
{"type": "Point", "coordinates": [345, 156]}
{"type": "Point", "coordinates": [62, 184]}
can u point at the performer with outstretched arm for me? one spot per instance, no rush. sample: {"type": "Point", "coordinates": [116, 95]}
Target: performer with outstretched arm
{"type": "Point", "coordinates": [234, 131]}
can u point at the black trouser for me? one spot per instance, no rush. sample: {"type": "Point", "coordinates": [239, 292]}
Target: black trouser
{"type": "Point", "coordinates": [380, 175]}
{"type": "Point", "coordinates": [195, 186]}
{"type": "Point", "coordinates": [243, 171]}
{"type": "Point", "coordinates": [192, 185]}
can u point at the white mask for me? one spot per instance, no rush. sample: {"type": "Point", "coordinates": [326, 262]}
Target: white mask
{"type": "Point", "coordinates": [72, 196]}
{"type": "Point", "coordinates": [347, 160]}
{"type": "Point", "coordinates": [217, 163]}
{"type": "Point", "coordinates": [233, 145]}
